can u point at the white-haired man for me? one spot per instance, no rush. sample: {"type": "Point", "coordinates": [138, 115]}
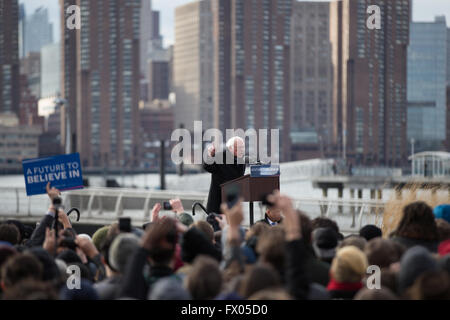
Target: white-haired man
{"type": "Point", "coordinates": [223, 172]}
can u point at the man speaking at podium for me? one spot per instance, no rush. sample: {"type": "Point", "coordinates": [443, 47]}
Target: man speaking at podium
{"type": "Point", "coordinates": [221, 173]}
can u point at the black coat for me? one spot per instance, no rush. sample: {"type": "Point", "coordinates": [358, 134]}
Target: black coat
{"type": "Point", "coordinates": [221, 173]}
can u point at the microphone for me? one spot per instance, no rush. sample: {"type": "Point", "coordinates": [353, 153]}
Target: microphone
{"type": "Point", "coordinates": [252, 161]}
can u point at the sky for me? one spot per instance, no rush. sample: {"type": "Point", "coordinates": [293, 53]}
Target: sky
{"type": "Point", "coordinates": [423, 10]}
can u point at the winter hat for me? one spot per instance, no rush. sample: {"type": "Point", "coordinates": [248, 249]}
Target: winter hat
{"type": "Point", "coordinates": [121, 250]}
{"type": "Point", "coordinates": [349, 265]}
{"type": "Point", "coordinates": [370, 231]}
{"type": "Point", "coordinates": [185, 219]}
{"type": "Point", "coordinates": [324, 242]}
{"type": "Point", "coordinates": [414, 262]}
{"type": "Point", "coordinates": [444, 248]}
{"type": "Point", "coordinates": [169, 288]}
{"type": "Point", "coordinates": [85, 292]}
{"type": "Point", "coordinates": [99, 237]}
{"type": "Point", "coordinates": [442, 212]}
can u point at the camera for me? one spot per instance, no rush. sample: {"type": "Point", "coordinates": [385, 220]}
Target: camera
{"type": "Point", "coordinates": [167, 206]}
{"type": "Point", "coordinates": [232, 195]}
{"type": "Point", "coordinates": [57, 203]}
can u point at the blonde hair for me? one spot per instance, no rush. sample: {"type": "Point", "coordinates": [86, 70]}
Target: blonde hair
{"type": "Point", "coordinates": [349, 265]}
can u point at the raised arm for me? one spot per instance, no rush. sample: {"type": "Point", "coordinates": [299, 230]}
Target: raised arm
{"type": "Point", "coordinates": [297, 279]}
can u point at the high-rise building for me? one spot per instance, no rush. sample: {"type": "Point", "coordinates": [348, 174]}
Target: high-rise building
{"type": "Point", "coordinates": [146, 34]}
{"type": "Point", "coordinates": [252, 41]}
{"type": "Point", "coordinates": [21, 142]}
{"type": "Point", "coordinates": [155, 29]}
{"type": "Point", "coordinates": [22, 23]}
{"type": "Point", "coordinates": [50, 70]}
{"type": "Point", "coordinates": [156, 123]}
{"type": "Point", "coordinates": [28, 111]}
{"type": "Point", "coordinates": [312, 71]}
{"type": "Point", "coordinates": [448, 91]}
{"type": "Point", "coordinates": [30, 65]}
{"type": "Point", "coordinates": [448, 57]}
{"type": "Point", "coordinates": [369, 70]}
{"type": "Point", "coordinates": [9, 56]}
{"type": "Point", "coordinates": [427, 82]}
{"type": "Point", "coordinates": [38, 31]}
{"type": "Point", "coordinates": [69, 83]}
{"type": "Point", "coordinates": [158, 80]}
{"type": "Point", "coordinates": [100, 78]}
{"type": "Point", "coordinates": [222, 63]}
{"type": "Point", "coordinates": [447, 138]}
{"type": "Point", "coordinates": [193, 65]}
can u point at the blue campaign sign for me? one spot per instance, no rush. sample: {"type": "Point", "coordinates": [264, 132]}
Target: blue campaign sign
{"type": "Point", "coordinates": [63, 172]}
{"type": "Point", "coordinates": [264, 170]}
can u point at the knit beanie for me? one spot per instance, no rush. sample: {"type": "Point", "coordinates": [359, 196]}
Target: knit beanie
{"type": "Point", "coordinates": [99, 237]}
{"type": "Point", "coordinates": [121, 250]}
{"type": "Point", "coordinates": [414, 262]}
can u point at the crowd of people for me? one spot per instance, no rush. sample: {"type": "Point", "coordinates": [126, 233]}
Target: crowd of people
{"type": "Point", "coordinates": [285, 256]}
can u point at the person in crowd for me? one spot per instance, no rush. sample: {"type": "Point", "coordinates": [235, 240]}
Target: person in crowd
{"type": "Point", "coordinates": [443, 228]}
{"type": "Point", "coordinates": [99, 237]}
{"type": "Point", "coordinates": [206, 228]}
{"type": "Point", "coordinates": [417, 227]}
{"type": "Point", "coordinates": [174, 258]}
{"type": "Point", "coordinates": [204, 281]}
{"type": "Point", "coordinates": [9, 233]}
{"type": "Point", "coordinates": [347, 272]}
{"type": "Point", "coordinates": [317, 269]}
{"type": "Point", "coordinates": [31, 289]}
{"type": "Point", "coordinates": [414, 262]}
{"type": "Point", "coordinates": [353, 240]}
{"type": "Point", "coordinates": [20, 267]}
{"type": "Point", "coordinates": [444, 248]}
{"type": "Point", "coordinates": [259, 277]}
{"type": "Point", "coordinates": [169, 289]}
{"type": "Point", "coordinates": [324, 243]}
{"type": "Point", "coordinates": [272, 216]}
{"type": "Point", "coordinates": [431, 285]}
{"type": "Point", "coordinates": [119, 249]}
{"type": "Point", "coordinates": [382, 252]}
{"type": "Point", "coordinates": [224, 171]}
{"type": "Point", "coordinates": [442, 212]}
{"type": "Point", "coordinates": [378, 294]}
{"type": "Point", "coordinates": [370, 232]}
{"type": "Point", "coordinates": [323, 222]}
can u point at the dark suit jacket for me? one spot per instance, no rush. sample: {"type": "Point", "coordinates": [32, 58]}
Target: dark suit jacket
{"type": "Point", "coordinates": [221, 173]}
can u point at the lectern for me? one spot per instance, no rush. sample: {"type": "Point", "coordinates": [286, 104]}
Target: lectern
{"type": "Point", "coordinates": [252, 189]}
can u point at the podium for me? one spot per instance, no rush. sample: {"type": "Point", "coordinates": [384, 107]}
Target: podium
{"type": "Point", "coordinates": [252, 189]}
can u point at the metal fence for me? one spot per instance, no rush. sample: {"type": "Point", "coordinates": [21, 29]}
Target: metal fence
{"type": "Point", "coordinates": [106, 205]}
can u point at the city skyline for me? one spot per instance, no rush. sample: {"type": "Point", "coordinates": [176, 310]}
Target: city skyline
{"type": "Point", "coordinates": [232, 68]}
{"type": "Point", "coordinates": [423, 11]}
